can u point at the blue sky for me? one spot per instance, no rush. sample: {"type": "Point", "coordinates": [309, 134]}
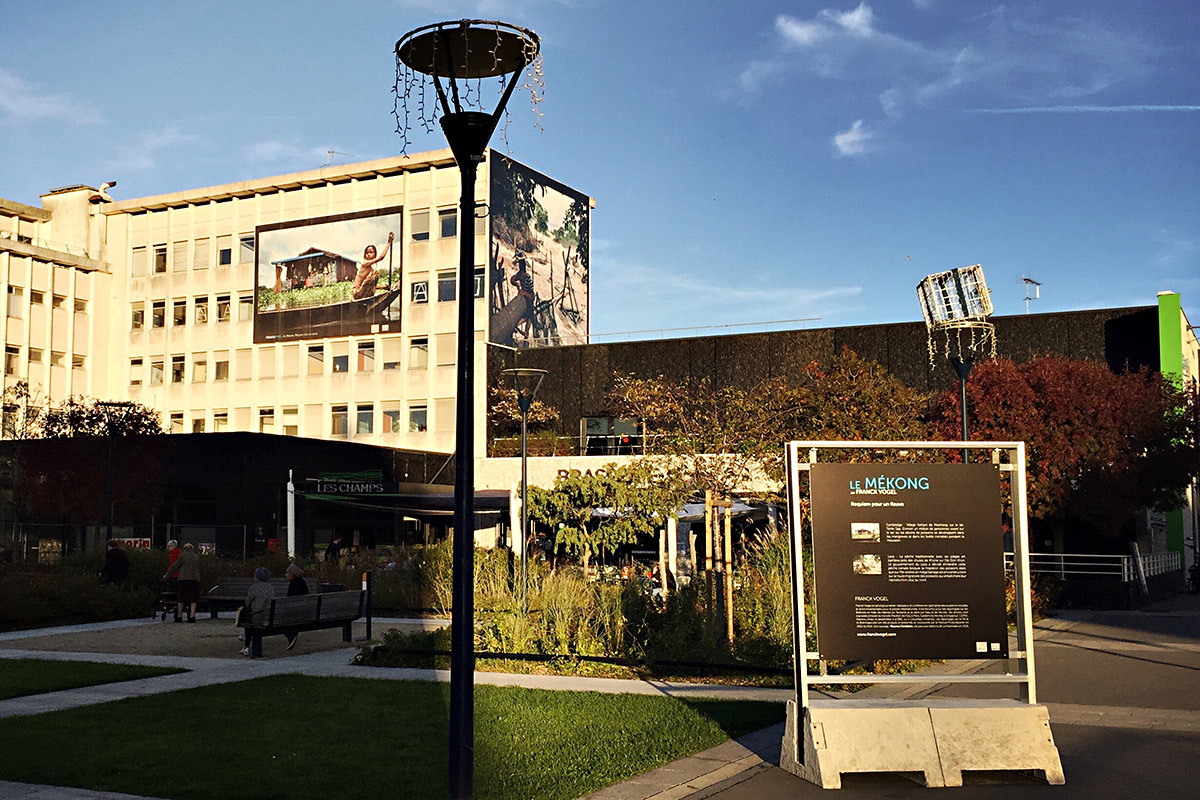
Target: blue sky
{"type": "Point", "coordinates": [750, 161]}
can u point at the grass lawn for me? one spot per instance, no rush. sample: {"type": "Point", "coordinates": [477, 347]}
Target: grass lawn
{"type": "Point", "coordinates": [20, 677]}
{"type": "Point", "coordinates": [295, 737]}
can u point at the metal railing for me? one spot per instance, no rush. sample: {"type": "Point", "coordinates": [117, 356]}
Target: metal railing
{"type": "Point", "coordinates": [1119, 567]}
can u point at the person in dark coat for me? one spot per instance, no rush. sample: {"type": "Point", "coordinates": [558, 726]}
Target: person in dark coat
{"type": "Point", "coordinates": [116, 564]}
{"type": "Point", "coordinates": [187, 568]}
{"type": "Point", "coordinates": [296, 587]}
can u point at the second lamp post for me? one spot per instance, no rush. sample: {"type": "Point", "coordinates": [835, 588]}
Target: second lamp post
{"type": "Point", "coordinates": [527, 383]}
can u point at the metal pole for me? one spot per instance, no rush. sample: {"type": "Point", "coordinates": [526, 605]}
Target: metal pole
{"type": "Point", "coordinates": [524, 509]}
{"type": "Point", "coordinates": [462, 617]}
{"type": "Point", "coordinates": [291, 516]}
{"type": "Point", "coordinates": [962, 367]}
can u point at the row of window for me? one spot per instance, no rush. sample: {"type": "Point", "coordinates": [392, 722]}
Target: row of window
{"type": "Point", "coordinates": [16, 301]}
{"type": "Point", "coordinates": [390, 420]}
{"type": "Point", "coordinates": [197, 254]}
{"type": "Point", "coordinates": [12, 359]}
{"type": "Point", "coordinates": [200, 311]}
{"type": "Point", "coordinates": [339, 357]}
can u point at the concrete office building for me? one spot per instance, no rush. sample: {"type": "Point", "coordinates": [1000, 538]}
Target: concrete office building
{"type": "Point", "coordinates": [278, 306]}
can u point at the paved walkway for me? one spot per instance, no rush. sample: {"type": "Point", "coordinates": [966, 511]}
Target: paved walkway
{"type": "Point", "coordinates": [1123, 690]}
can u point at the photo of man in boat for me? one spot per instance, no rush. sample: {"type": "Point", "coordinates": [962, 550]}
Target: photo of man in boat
{"type": "Point", "coordinates": [309, 283]}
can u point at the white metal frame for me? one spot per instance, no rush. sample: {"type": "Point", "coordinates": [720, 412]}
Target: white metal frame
{"type": "Point", "coordinates": [1009, 457]}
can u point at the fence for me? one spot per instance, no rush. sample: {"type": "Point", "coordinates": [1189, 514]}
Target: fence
{"type": "Point", "coordinates": [47, 543]}
{"type": "Point", "coordinates": [1123, 568]}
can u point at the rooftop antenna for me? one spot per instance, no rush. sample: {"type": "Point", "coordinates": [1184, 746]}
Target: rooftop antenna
{"type": "Point", "coordinates": [1031, 284]}
{"type": "Point", "coordinates": [329, 154]}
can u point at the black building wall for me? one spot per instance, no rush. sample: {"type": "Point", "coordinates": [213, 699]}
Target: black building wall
{"type": "Point", "coordinates": [579, 376]}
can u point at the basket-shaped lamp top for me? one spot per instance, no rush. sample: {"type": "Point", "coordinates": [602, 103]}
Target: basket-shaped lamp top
{"type": "Point", "coordinates": [956, 298]}
{"type": "Point", "coordinates": [469, 48]}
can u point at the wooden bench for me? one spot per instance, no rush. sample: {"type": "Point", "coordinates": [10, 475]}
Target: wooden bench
{"type": "Point", "coordinates": [307, 612]}
{"type": "Point", "coordinates": [230, 593]}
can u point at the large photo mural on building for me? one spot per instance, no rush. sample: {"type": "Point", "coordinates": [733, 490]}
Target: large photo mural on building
{"type": "Point", "coordinates": [328, 276]}
{"type": "Point", "coordinates": [538, 292]}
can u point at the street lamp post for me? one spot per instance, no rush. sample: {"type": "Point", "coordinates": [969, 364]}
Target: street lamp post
{"type": "Point", "coordinates": [527, 382]}
{"type": "Point", "coordinates": [454, 52]}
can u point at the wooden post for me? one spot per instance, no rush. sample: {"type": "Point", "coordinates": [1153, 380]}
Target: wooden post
{"type": "Point", "coordinates": [728, 577]}
{"type": "Point", "coordinates": [708, 559]}
{"type": "Point", "coordinates": [673, 546]}
{"type": "Point", "coordinates": [662, 561]}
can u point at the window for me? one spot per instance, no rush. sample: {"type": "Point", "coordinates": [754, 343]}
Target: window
{"type": "Point", "coordinates": [220, 421]}
{"type": "Point", "coordinates": [419, 223]}
{"type": "Point", "coordinates": [80, 306]}
{"type": "Point", "coordinates": [16, 301]}
{"type": "Point", "coordinates": [446, 282]}
{"type": "Point", "coordinates": [266, 363]}
{"type": "Point", "coordinates": [420, 291]}
{"type": "Point", "coordinates": [445, 349]}
{"type": "Point", "coordinates": [78, 362]}
{"type": "Point", "coordinates": [137, 316]}
{"type": "Point", "coordinates": [245, 308]}
{"type": "Point", "coordinates": [198, 425]}
{"type": "Point", "coordinates": [341, 420]}
{"type": "Point", "coordinates": [222, 308]}
{"type": "Point", "coordinates": [366, 357]}
{"type": "Point", "coordinates": [366, 418]}
{"type": "Point", "coordinates": [158, 313]}
{"type": "Point", "coordinates": [316, 359]}
{"type": "Point", "coordinates": [179, 313]}
{"type": "Point", "coordinates": [202, 310]}
{"type": "Point", "coordinates": [243, 357]}
{"type": "Point", "coordinates": [35, 356]}
{"type": "Point", "coordinates": [246, 248]}
{"type": "Point", "coordinates": [341, 363]}
{"type": "Point", "coordinates": [391, 353]}
{"type": "Point", "coordinates": [224, 251]}
{"type": "Point", "coordinates": [391, 418]}
{"type": "Point", "coordinates": [177, 370]}
{"type": "Point", "coordinates": [156, 372]}
{"type": "Point", "coordinates": [291, 360]}
{"type": "Point", "coordinates": [176, 422]}
{"type": "Point", "coordinates": [56, 358]}
{"type": "Point", "coordinates": [37, 298]}
{"type": "Point", "coordinates": [135, 372]}
{"type": "Point", "coordinates": [137, 262]}
{"type": "Point", "coordinates": [12, 356]}
{"type": "Point", "coordinates": [160, 259]}
{"type": "Point", "coordinates": [266, 420]}
{"type": "Point", "coordinates": [200, 368]}
{"type": "Point", "coordinates": [291, 421]}
{"type": "Point", "coordinates": [418, 419]}
{"type": "Point", "coordinates": [418, 352]}
{"type": "Point", "coordinates": [443, 414]}
{"type": "Point", "coordinates": [179, 257]}
{"type": "Point", "coordinates": [200, 255]}
{"type": "Point", "coordinates": [480, 281]}
{"type": "Point", "coordinates": [221, 366]}
{"type": "Point", "coordinates": [57, 301]}
{"type": "Point", "coordinates": [448, 223]}
{"type": "Point", "coordinates": [480, 223]}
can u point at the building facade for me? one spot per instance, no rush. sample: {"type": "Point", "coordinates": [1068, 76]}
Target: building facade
{"type": "Point", "coordinates": [318, 304]}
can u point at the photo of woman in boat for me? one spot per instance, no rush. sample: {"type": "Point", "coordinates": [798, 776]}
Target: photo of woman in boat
{"type": "Point", "coordinates": [367, 276]}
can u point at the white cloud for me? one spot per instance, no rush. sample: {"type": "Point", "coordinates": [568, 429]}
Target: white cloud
{"type": "Point", "coordinates": [641, 293]}
{"type": "Point", "coordinates": [854, 142]}
{"type": "Point", "coordinates": [22, 100]}
{"type": "Point", "coordinates": [276, 150]}
{"type": "Point", "coordinates": [144, 152]}
{"type": "Point", "coordinates": [1080, 109]}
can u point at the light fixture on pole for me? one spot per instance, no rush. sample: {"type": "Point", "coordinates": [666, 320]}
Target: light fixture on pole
{"type": "Point", "coordinates": [527, 383]}
{"type": "Point", "coordinates": [956, 305]}
{"type": "Point", "coordinates": [462, 54]}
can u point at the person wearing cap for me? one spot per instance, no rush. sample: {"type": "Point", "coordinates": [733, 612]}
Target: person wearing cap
{"type": "Point", "coordinates": [187, 569]}
{"type": "Point", "coordinates": [296, 587]}
{"type": "Point", "coordinates": [258, 600]}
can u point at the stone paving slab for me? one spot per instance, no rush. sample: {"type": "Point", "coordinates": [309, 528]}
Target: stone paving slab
{"type": "Point", "coordinates": [28, 791]}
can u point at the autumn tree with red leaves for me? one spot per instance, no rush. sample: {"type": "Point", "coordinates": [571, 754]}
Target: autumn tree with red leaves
{"type": "Point", "coordinates": [1100, 445]}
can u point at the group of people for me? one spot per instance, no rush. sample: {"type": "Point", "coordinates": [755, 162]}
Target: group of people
{"type": "Point", "coordinates": [261, 593]}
